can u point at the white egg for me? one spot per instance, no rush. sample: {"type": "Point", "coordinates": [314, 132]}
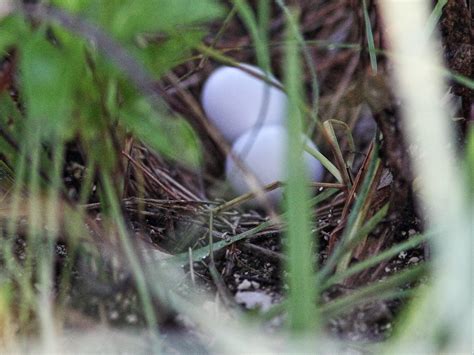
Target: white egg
{"type": "Point", "coordinates": [264, 153]}
{"type": "Point", "coordinates": [235, 101]}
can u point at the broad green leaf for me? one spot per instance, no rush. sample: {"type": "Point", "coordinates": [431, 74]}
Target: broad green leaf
{"type": "Point", "coordinates": [99, 12]}
{"type": "Point", "coordinates": [92, 120]}
{"type": "Point", "coordinates": [161, 16]}
{"type": "Point", "coordinates": [12, 28]}
{"type": "Point", "coordinates": [173, 137]}
{"type": "Point", "coordinates": [72, 5]}
{"type": "Point", "coordinates": [160, 58]}
{"type": "Point", "coordinates": [48, 76]}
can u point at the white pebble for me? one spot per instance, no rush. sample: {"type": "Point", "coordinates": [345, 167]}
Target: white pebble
{"type": "Point", "coordinates": [244, 285]}
{"type": "Point", "coordinates": [254, 300]}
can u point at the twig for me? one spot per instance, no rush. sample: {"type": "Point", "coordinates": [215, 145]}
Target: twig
{"type": "Point", "coordinates": [269, 254]}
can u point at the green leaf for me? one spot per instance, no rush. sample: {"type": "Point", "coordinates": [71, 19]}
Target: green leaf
{"type": "Point", "coordinates": [160, 58]}
{"type": "Point", "coordinates": [12, 29]}
{"type": "Point", "coordinates": [173, 137]}
{"type": "Point", "coordinates": [72, 5]}
{"type": "Point", "coordinates": [161, 16]}
{"type": "Point", "coordinates": [48, 76]}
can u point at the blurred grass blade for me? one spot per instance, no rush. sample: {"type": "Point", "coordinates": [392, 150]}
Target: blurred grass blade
{"type": "Point", "coordinates": [153, 16]}
{"type": "Point", "coordinates": [459, 78]}
{"type": "Point", "coordinates": [309, 63]}
{"type": "Point", "coordinates": [388, 288]}
{"type": "Point", "coordinates": [470, 163]}
{"type": "Point", "coordinates": [7, 321]}
{"type": "Point", "coordinates": [261, 46]}
{"type": "Point", "coordinates": [133, 259]}
{"type": "Point", "coordinates": [46, 254]}
{"type": "Point", "coordinates": [7, 180]}
{"type": "Point", "coordinates": [435, 16]}
{"type": "Point", "coordinates": [264, 16]}
{"type": "Point", "coordinates": [300, 247]}
{"type": "Point", "coordinates": [443, 190]}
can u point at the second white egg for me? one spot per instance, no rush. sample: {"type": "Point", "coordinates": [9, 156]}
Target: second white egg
{"type": "Point", "coordinates": [236, 101]}
{"type": "Point", "coordinates": [264, 153]}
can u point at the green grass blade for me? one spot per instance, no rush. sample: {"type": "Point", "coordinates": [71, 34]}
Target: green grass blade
{"type": "Point", "coordinates": [460, 79]}
{"type": "Point", "coordinates": [302, 311]}
{"type": "Point", "coordinates": [323, 196]}
{"type": "Point", "coordinates": [263, 16]}
{"type": "Point", "coordinates": [261, 46]}
{"type": "Point", "coordinates": [203, 252]}
{"type": "Point", "coordinates": [435, 16]}
{"type": "Point", "coordinates": [370, 37]}
{"type": "Point", "coordinates": [379, 290]}
{"type": "Point", "coordinates": [325, 162]}
{"type": "Point", "coordinates": [354, 219]}
{"type": "Point", "coordinates": [376, 290]}
{"type": "Point", "coordinates": [374, 260]}
{"type": "Point", "coordinates": [46, 255]}
{"type": "Point", "coordinates": [309, 63]}
{"type": "Point", "coordinates": [136, 268]}
{"type": "Point", "coordinates": [442, 193]}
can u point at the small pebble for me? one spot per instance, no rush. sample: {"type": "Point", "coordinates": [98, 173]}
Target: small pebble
{"type": "Point", "coordinates": [255, 284]}
{"type": "Point", "coordinates": [254, 300]}
{"type": "Point", "coordinates": [244, 285]}
{"type": "Point", "coordinates": [131, 318]}
{"type": "Point", "coordinates": [113, 315]}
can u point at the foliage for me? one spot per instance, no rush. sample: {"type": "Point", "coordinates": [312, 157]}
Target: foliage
{"type": "Point", "coordinates": [60, 72]}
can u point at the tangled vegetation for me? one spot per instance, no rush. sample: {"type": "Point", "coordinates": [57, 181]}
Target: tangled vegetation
{"type": "Point", "coordinates": [120, 234]}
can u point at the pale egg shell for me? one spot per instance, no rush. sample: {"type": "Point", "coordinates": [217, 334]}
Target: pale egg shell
{"type": "Point", "coordinates": [235, 101]}
{"type": "Point", "coordinates": [266, 158]}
